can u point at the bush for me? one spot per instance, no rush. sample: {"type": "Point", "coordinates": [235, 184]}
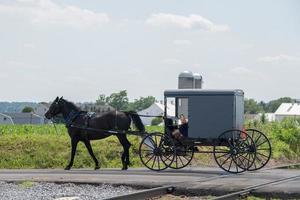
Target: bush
{"type": "Point", "coordinates": [156, 121]}
{"type": "Point", "coordinates": [284, 137]}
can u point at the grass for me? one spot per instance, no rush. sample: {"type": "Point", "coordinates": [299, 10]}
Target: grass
{"type": "Point", "coordinates": [41, 146]}
{"type": "Point", "coordinates": [26, 184]}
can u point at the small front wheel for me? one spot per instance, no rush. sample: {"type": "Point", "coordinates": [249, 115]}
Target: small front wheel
{"type": "Point", "coordinates": [157, 151]}
{"type": "Point", "coordinates": [183, 156]}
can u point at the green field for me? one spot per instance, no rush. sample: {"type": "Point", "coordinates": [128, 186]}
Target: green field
{"type": "Point", "coordinates": [40, 146]}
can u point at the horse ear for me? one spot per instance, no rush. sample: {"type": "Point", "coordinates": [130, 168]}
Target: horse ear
{"type": "Point", "coordinates": [61, 97]}
{"type": "Point", "coordinates": [56, 99]}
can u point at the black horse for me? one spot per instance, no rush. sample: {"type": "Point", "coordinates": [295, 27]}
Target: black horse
{"type": "Point", "coordinates": [84, 127]}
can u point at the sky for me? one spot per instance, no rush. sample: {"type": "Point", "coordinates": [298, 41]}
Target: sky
{"type": "Point", "coordinates": [82, 48]}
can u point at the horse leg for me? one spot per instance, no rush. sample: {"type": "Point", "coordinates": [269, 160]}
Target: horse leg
{"type": "Point", "coordinates": [74, 142]}
{"type": "Point", "coordinates": [89, 148]}
{"type": "Point", "coordinates": [128, 145]}
{"type": "Point", "coordinates": [125, 155]}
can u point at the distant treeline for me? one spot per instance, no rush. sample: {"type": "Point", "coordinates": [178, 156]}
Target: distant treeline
{"type": "Point", "coordinates": [254, 107]}
{"type": "Point", "coordinates": [120, 101]}
{"type": "Point", "coordinates": [15, 107]}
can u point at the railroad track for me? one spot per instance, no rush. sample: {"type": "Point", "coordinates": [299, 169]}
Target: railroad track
{"type": "Point", "coordinates": [249, 190]}
{"type": "Point", "coordinates": [167, 189]}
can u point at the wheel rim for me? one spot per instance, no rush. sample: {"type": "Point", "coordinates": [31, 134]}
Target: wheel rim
{"type": "Point", "coordinates": [263, 149]}
{"type": "Point", "coordinates": [155, 153]}
{"type": "Point", "coordinates": [183, 157]}
{"type": "Point", "coordinates": [233, 152]}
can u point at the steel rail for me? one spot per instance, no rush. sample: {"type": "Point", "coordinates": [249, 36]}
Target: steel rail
{"type": "Point", "coordinates": [144, 194]}
{"type": "Point", "coordinates": [171, 188]}
{"type": "Point", "coordinates": [250, 189]}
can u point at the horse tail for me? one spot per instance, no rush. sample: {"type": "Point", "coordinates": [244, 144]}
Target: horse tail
{"type": "Point", "coordinates": [136, 120]}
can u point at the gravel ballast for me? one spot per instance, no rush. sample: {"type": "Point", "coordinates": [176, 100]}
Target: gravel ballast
{"type": "Point", "coordinates": [68, 191]}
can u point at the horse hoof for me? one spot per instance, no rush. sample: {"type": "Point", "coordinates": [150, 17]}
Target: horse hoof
{"type": "Point", "coordinates": [124, 168]}
{"type": "Point", "coordinates": [67, 168]}
{"type": "Point", "coordinates": [97, 167]}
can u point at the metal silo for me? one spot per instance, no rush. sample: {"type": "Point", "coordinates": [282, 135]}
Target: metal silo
{"type": "Point", "coordinates": [197, 81]}
{"type": "Point", "coordinates": [186, 80]}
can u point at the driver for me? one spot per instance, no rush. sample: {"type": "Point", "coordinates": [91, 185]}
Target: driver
{"type": "Point", "coordinates": [182, 132]}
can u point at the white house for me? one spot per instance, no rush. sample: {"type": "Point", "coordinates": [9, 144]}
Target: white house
{"type": "Point", "coordinates": [21, 118]}
{"type": "Point", "coordinates": [156, 109]}
{"type": "Point", "coordinates": [287, 110]}
{"type": "Point", "coordinates": [41, 109]}
{"type": "Point", "coordinates": [6, 119]}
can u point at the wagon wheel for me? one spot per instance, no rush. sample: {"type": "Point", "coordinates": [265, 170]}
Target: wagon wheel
{"type": "Point", "coordinates": [263, 149]}
{"type": "Point", "coordinates": [183, 156]}
{"type": "Point", "coordinates": [156, 151]}
{"type": "Point", "coordinates": [234, 151]}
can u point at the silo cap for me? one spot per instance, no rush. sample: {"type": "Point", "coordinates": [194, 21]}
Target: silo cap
{"type": "Point", "coordinates": [186, 74]}
{"type": "Point", "coordinates": [197, 76]}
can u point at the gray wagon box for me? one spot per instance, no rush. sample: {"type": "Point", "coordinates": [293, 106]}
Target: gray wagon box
{"type": "Point", "coordinates": [211, 112]}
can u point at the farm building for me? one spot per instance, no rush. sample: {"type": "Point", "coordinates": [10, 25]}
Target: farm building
{"type": "Point", "coordinates": [21, 118]}
{"type": "Point", "coordinates": [41, 109]}
{"type": "Point", "coordinates": [5, 119]}
{"type": "Point", "coordinates": [270, 117]}
{"type": "Point", "coordinates": [287, 110]}
{"type": "Point", "coordinates": [156, 109]}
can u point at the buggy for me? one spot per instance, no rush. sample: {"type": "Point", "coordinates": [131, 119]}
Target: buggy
{"type": "Point", "coordinates": [215, 120]}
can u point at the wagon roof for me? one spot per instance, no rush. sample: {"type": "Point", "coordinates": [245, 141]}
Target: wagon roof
{"type": "Point", "coordinates": [200, 92]}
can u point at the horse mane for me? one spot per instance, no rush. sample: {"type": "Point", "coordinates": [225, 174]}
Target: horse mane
{"type": "Point", "coordinates": [71, 104]}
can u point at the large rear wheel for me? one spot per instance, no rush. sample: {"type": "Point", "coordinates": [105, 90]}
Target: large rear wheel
{"type": "Point", "coordinates": [263, 149]}
{"type": "Point", "coordinates": [233, 151]}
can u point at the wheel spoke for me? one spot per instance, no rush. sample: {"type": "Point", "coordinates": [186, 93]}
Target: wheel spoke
{"type": "Point", "coordinates": [225, 160]}
{"type": "Point", "coordinates": [149, 159]}
{"type": "Point", "coordinates": [230, 165]}
{"type": "Point", "coordinates": [181, 160]}
{"type": "Point", "coordinates": [257, 145]}
{"type": "Point", "coordinates": [149, 145]}
{"type": "Point", "coordinates": [257, 138]}
{"type": "Point", "coordinates": [223, 155]}
{"type": "Point", "coordinates": [153, 162]}
{"type": "Point", "coordinates": [262, 154]}
{"type": "Point", "coordinates": [267, 149]}
{"type": "Point", "coordinates": [158, 163]}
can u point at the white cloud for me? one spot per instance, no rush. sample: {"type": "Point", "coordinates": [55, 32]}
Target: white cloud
{"type": "Point", "coordinates": [281, 57]}
{"type": "Point", "coordinates": [182, 42]}
{"type": "Point", "coordinates": [46, 12]}
{"type": "Point", "coordinates": [196, 22]}
{"type": "Point", "coordinates": [171, 61]}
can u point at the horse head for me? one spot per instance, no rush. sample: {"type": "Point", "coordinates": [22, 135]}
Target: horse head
{"type": "Point", "coordinates": [55, 108]}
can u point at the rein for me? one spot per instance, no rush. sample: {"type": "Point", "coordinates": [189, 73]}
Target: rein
{"type": "Point", "coordinates": [133, 113]}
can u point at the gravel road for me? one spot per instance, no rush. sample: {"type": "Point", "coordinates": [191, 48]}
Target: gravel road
{"type": "Point", "coordinates": [51, 191]}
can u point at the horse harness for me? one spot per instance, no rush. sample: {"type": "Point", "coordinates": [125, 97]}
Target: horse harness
{"type": "Point", "coordinates": [74, 115]}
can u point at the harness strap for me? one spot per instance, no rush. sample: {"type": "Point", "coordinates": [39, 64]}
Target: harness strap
{"type": "Point", "coordinates": [116, 127]}
{"type": "Point", "coordinates": [71, 117]}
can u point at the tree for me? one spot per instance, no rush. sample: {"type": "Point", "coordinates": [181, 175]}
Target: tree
{"type": "Point", "coordinates": [118, 100]}
{"type": "Point", "coordinates": [252, 107]}
{"type": "Point", "coordinates": [274, 104]}
{"type": "Point", "coordinates": [102, 100]}
{"type": "Point", "coordinates": [263, 118]}
{"type": "Point", "coordinates": [141, 103]}
{"type": "Point", "coordinates": [27, 109]}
